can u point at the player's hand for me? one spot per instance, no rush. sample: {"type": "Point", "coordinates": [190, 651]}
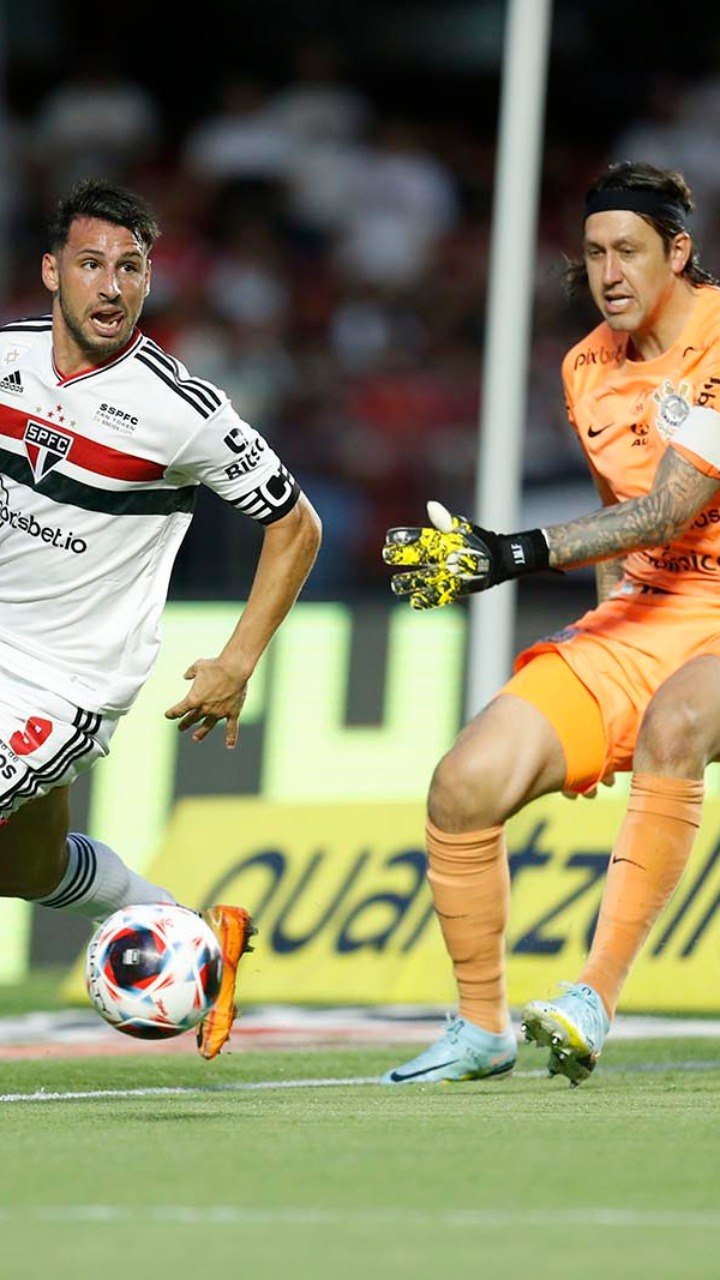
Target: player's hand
{"type": "Point", "coordinates": [456, 557]}
{"type": "Point", "coordinates": [215, 694]}
{"type": "Point", "coordinates": [449, 560]}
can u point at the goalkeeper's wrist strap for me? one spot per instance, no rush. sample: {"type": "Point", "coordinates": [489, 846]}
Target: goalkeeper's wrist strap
{"type": "Point", "coordinates": [522, 553]}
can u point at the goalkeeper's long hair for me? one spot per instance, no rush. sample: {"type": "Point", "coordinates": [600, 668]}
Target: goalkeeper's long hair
{"type": "Point", "coordinates": [638, 176]}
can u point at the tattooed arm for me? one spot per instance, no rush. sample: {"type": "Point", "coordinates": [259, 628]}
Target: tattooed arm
{"type": "Point", "coordinates": [456, 557]}
{"type": "Point", "coordinates": [608, 573]}
{"type": "Point", "coordinates": [679, 492]}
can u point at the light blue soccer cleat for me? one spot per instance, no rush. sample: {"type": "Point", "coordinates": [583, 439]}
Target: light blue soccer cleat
{"type": "Point", "coordinates": [465, 1052]}
{"type": "Point", "coordinates": [574, 1027]}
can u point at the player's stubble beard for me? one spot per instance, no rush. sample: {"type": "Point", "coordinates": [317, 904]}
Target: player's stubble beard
{"type": "Point", "coordinates": [96, 349]}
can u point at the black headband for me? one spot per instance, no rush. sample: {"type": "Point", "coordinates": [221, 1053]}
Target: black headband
{"type": "Point", "coordinates": [637, 200]}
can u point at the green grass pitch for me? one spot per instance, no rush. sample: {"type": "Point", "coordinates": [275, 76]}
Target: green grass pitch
{"type": "Point", "coordinates": [519, 1177]}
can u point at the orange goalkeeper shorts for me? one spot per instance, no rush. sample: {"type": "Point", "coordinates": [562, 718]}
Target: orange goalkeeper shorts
{"type": "Point", "coordinates": [621, 652]}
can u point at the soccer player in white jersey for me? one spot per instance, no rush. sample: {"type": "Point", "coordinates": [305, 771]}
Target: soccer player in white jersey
{"type": "Point", "coordinates": [103, 440]}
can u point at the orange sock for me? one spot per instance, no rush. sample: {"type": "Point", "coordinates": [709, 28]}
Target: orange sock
{"type": "Point", "coordinates": [649, 857]}
{"type": "Point", "coordinates": [470, 882]}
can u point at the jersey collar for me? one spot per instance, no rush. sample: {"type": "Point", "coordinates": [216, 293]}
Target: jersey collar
{"type": "Point", "coordinates": [130, 345]}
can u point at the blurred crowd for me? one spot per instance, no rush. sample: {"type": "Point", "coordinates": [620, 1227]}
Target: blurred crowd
{"type": "Point", "coordinates": [325, 261]}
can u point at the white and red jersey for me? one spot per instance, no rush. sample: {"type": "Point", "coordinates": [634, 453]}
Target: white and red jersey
{"type": "Point", "coordinates": [98, 473]}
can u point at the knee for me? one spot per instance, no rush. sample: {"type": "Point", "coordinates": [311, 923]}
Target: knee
{"type": "Point", "coordinates": [670, 739]}
{"type": "Point", "coordinates": [457, 798]}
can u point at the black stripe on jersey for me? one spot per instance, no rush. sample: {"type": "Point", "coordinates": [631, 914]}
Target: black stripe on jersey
{"type": "Point", "coordinates": [116, 502]}
{"type": "Point", "coordinates": [90, 721]}
{"type": "Point", "coordinates": [76, 746]}
{"type": "Point", "coordinates": [85, 873]}
{"type": "Point", "coordinates": [251, 505]}
{"type": "Point", "coordinates": [272, 500]}
{"type": "Point", "coordinates": [31, 324]}
{"type": "Point", "coordinates": [205, 390]}
{"type": "Point", "coordinates": [184, 390]}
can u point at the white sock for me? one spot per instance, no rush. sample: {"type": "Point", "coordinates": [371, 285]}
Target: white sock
{"type": "Point", "coordinates": [97, 882]}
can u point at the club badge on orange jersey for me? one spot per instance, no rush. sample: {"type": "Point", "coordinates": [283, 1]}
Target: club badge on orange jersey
{"type": "Point", "coordinates": [673, 407]}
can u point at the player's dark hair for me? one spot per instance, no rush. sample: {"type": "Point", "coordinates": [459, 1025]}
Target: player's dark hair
{"type": "Point", "coordinates": [95, 199]}
{"type": "Point", "coordinates": [671, 191]}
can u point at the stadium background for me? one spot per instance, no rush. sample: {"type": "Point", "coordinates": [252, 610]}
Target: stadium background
{"type": "Point", "coordinates": [324, 178]}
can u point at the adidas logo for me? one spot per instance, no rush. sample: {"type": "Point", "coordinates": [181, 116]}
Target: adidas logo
{"type": "Point", "coordinates": [13, 382]}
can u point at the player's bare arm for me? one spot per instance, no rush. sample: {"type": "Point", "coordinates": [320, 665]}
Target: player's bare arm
{"type": "Point", "coordinates": [679, 493]}
{"type": "Point", "coordinates": [219, 685]}
{"type": "Point", "coordinates": [608, 573]}
{"type": "Point", "coordinates": [456, 557]}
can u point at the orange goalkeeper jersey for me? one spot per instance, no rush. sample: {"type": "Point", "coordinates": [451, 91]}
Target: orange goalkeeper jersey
{"type": "Point", "coordinates": [627, 412]}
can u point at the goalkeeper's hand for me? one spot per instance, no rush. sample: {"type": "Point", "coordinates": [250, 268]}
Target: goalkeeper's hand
{"type": "Point", "coordinates": [455, 557]}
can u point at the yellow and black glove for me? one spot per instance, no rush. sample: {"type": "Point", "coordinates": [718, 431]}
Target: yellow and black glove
{"type": "Point", "coordinates": [455, 558]}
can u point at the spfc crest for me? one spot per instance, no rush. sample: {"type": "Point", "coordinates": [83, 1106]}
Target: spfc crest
{"type": "Point", "coordinates": [45, 447]}
{"type": "Point", "coordinates": [673, 407]}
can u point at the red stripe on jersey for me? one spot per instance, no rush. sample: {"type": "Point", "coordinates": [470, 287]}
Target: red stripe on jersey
{"type": "Point", "coordinates": [99, 458]}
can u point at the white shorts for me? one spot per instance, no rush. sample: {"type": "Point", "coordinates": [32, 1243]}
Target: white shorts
{"type": "Point", "coordinates": [45, 742]}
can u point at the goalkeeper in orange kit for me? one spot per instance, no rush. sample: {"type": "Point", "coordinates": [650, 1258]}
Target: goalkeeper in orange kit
{"type": "Point", "coordinates": [632, 685]}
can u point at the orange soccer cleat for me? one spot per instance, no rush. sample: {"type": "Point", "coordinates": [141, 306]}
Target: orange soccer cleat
{"type": "Point", "coordinates": [233, 928]}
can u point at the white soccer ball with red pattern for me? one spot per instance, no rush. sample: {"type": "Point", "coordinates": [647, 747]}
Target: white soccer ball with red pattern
{"type": "Point", "coordinates": [153, 970]}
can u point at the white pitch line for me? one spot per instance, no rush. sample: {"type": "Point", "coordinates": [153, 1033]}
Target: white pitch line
{"type": "Point", "coordinates": [169, 1091]}
{"type": "Point", "coordinates": [234, 1215]}
{"type": "Point", "coordinates": [258, 1086]}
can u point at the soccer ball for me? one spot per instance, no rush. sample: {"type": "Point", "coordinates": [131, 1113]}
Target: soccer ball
{"type": "Point", "coordinates": [153, 970]}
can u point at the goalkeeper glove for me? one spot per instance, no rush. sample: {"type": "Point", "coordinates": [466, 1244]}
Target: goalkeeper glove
{"type": "Point", "coordinates": [456, 558]}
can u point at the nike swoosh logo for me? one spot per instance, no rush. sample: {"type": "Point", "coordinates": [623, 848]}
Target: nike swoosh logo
{"type": "Point", "coordinates": [397, 1078]}
{"type": "Point", "coordinates": [632, 864]}
{"type": "Point", "coordinates": [597, 431]}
